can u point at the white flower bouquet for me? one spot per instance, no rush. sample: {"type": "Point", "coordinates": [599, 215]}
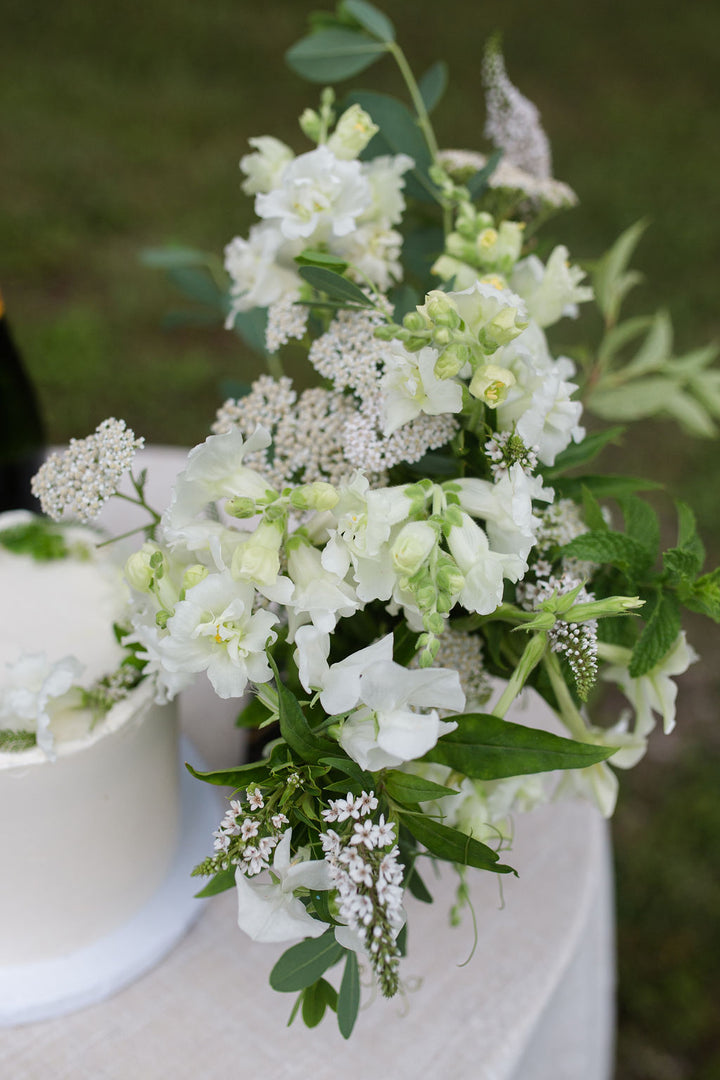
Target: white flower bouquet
{"type": "Point", "coordinates": [376, 566]}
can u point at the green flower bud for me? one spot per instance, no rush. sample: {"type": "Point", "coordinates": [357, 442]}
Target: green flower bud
{"type": "Point", "coordinates": [433, 623]}
{"type": "Point", "coordinates": [353, 132]}
{"type": "Point", "coordinates": [194, 575]}
{"type": "Point", "coordinates": [161, 618]}
{"type": "Point", "coordinates": [442, 337]}
{"type": "Point", "coordinates": [241, 507]}
{"type": "Point", "coordinates": [386, 332]}
{"type": "Point", "coordinates": [139, 570]}
{"type": "Point", "coordinates": [315, 496]}
{"type": "Point", "coordinates": [414, 321]}
{"type": "Point", "coordinates": [451, 361]}
{"type": "Point", "coordinates": [599, 609]}
{"type": "Point", "coordinates": [441, 310]}
{"type": "Point", "coordinates": [413, 546]}
{"type": "Point", "coordinates": [450, 580]}
{"type": "Point", "coordinates": [311, 125]}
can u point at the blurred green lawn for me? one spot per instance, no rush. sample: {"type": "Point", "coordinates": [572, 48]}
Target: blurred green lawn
{"type": "Point", "coordinates": [122, 126]}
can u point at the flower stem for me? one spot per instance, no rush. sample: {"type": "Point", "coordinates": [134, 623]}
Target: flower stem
{"type": "Point", "coordinates": [569, 713]}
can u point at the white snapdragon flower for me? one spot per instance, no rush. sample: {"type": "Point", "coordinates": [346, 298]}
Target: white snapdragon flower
{"type": "Point", "coordinates": [491, 312]}
{"type": "Point", "coordinates": [506, 507]}
{"type": "Point", "coordinates": [411, 387]}
{"type": "Point", "coordinates": [374, 249]}
{"type": "Point", "coordinates": [320, 596]}
{"type": "Point", "coordinates": [30, 686]}
{"type": "Point", "coordinates": [352, 133]}
{"type": "Point", "coordinates": [264, 168]}
{"type": "Point", "coordinates": [215, 630]}
{"type": "Point", "coordinates": [261, 269]}
{"type": "Point", "coordinates": [655, 691]}
{"type": "Point", "coordinates": [382, 729]}
{"type": "Point", "coordinates": [318, 196]}
{"type": "Point", "coordinates": [550, 291]}
{"type": "Point", "coordinates": [270, 911]}
{"type": "Point", "coordinates": [484, 570]}
{"type": "Point", "coordinates": [256, 560]}
{"type": "Point", "coordinates": [365, 520]}
{"type": "Point", "coordinates": [598, 783]}
{"type": "Point", "coordinates": [385, 175]}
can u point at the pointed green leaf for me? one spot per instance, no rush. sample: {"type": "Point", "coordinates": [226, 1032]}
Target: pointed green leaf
{"type": "Point", "coordinates": [304, 963]}
{"type": "Point", "coordinates": [316, 999]}
{"type": "Point", "coordinates": [333, 55]}
{"type": "Point", "coordinates": [452, 845]}
{"type": "Point", "coordinates": [221, 882]}
{"type": "Point", "coordinates": [406, 788]}
{"type": "Point", "coordinates": [602, 487]}
{"type": "Point", "coordinates": [370, 18]}
{"type": "Point", "coordinates": [478, 182]}
{"type": "Point", "coordinates": [308, 257]}
{"type": "Point", "coordinates": [484, 747]}
{"type": "Point", "coordinates": [582, 452]}
{"type": "Point", "coordinates": [349, 767]}
{"type": "Point", "coordinates": [433, 84]}
{"type": "Point", "coordinates": [592, 512]}
{"type": "Point", "coordinates": [655, 350]}
{"type": "Point", "coordinates": [294, 728]}
{"type": "Point", "coordinates": [255, 772]}
{"type": "Point", "coordinates": [704, 595]}
{"type": "Point", "coordinates": [335, 286]}
{"type": "Point", "coordinates": [251, 326]}
{"type": "Point", "coordinates": [614, 548]}
{"type": "Point", "coordinates": [634, 401]}
{"type": "Point", "coordinates": [660, 631]}
{"type": "Point", "coordinates": [417, 887]}
{"type": "Point", "coordinates": [610, 279]}
{"type": "Point", "coordinates": [168, 258]}
{"type": "Point", "coordinates": [348, 1003]}
{"type": "Point", "coordinates": [641, 524]}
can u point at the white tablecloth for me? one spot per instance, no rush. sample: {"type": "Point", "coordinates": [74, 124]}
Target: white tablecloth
{"type": "Point", "coordinates": [534, 1003]}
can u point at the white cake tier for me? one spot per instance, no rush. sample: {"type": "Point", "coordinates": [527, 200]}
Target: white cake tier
{"type": "Point", "coordinates": [88, 838]}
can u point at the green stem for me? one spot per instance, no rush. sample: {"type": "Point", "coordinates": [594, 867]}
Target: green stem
{"type": "Point", "coordinates": [569, 713]}
{"type": "Point", "coordinates": [422, 113]}
{"type": "Point", "coordinates": [274, 364]}
{"type": "Point", "coordinates": [532, 655]}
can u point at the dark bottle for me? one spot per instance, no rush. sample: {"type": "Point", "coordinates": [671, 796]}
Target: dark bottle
{"type": "Point", "coordinates": [22, 435]}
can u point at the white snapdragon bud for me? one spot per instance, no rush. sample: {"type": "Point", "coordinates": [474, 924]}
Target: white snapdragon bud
{"type": "Point", "coordinates": [138, 571]}
{"type": "Point", "coordinates": [264, 168]}
{"type": "Point", "coordinates": [491, 313]}
{"type": "Point", "coordinates": [257, 559]}
{"type": "Point", "coordinates": [491, 384]}
{"type": "Point", "coordinates": [412, 546]}
{"type": "Point", "coordinates": [194, 575]}
{"type": "Point", "coordinates": [316, 496]}
{"type": "Point", "coordinates": [353, 132]}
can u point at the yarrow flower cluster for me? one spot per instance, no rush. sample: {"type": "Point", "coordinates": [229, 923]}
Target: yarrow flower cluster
{"type": "Point", "coordinates": [78, 482]}
{"type": "Point", "coordinates": [366, 873]}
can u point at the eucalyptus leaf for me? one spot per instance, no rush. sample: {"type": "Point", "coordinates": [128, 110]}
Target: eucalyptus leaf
{"type": "Point", "coordinates": [316, 999]}
{"type": "Point", "coordinates": [451, 844]}
{"type": "Point", "coordinates": [304, 963]}
{"type": "Point", "coordinates": [433, 84]}
{"type": "Point", "coordinates": [251, 326]}
{"type": "Point", "coordinates": [348, 1003]}
{"type": "Point", "coordinates": [335, 286]}
{"type": "Point", "coordinates": [370, 18]}
{"type": "Point", "coordinates": [199, 285]}
{"type": "Point", "coordinates": [333, 54]}
{"type": "Point", "coordinates": [399, 134]}
{"type": "Point", "coordinates": [484, 747]}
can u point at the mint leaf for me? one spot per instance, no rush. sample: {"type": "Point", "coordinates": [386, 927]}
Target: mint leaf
{"type": "Point", "coordinates": [660, 631]}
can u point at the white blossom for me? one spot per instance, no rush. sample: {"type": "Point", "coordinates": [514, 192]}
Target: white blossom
{"type": "Point", "coordinates": [30, 686]}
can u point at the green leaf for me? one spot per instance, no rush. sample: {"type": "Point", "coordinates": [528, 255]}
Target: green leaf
{"type": "Point", "coordinates": [350, 768]}
{"type": "Point", "coordinates": [660, 631]}
{"type": "Point", "coordinates": [452, 845]}
{"type": "Point", "coordinates": [691, 415]}
{"type": "Point", "coordinates": [406, 788]}
{"type": "Point", "coordinates": [638, 400]}
{"type": "Point", "coordinates": [655, 350]}
{"type": "Point", "coordinates": [316, 999]}
{"type": "Point", "coordinates": [614, 548]}
{"type": "Point", "coordinates": [680, 565]}
{"type": "Point", "coordinates": [221, 882]}
{"type": "Point", "coordinates": [399, 134]}
{"type": "Point", "coordinates": [308, 257]}
{"type": "Point", "coordinates": [333, 55]}
{"type": "Point", "coordinates": [433, 84]}
{"type": "Point", "coordinates": [704, 595]}
{"type": "Point", "coordinates": [478, 182]}
{"type": "Point", "coordinates": [372, 20]}
{"type": "Point", "coordinates": [294, 728]}
{"type": "Point", "coordinates": [198, 284]}
{"type": "Point", "coordinates": [641, 524]}
{"type": "Point", "coordinates": [348, 1003]}
{"type": "Point", "coordinates": [592, 512]}
{"type": "Point", "coordinates": [255, 772]}
{"type": "Point", "coordinates": [417, 887]}
{"type": "Point", "coordinates": [484, 747]}
{"type": "Point", "coordinates": [610, 279]}
{"type": "Point", "coordinates": [304, 963]}
{"type": "Point", "coordinates": [582, 452]}
{"type": "Point", "coordinates": [251, 326]}
{"type": "Point", "coordinates": [602, 487]}
{"type": "Point", "coordinates": [168, 258]}
{"type": "Point", "coordinates": [404, 299]}
{"type": "Point", "coordinates": [335, 286]}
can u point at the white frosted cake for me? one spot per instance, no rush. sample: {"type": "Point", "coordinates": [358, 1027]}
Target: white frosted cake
{"type": "Point", "coordinates": [90, 813]}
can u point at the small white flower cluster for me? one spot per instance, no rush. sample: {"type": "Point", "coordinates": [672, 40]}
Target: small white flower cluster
{"type": "Point", "coordinates": [286, 320]}
{"type": "Point", "coordinates": [244, 841]}
{"type": "Point", "coordinates": [577, 642]}
{"type": "Point", "coordinates": [513, 121]}
{"type": "Point", "coordinates": [559, 523]}
{"type": "Point", "coordinates": [504, 449]}
{"type": "Point", "coordinates": [365, 871]}
{"type": "Point", "coordinates": [77, 482]}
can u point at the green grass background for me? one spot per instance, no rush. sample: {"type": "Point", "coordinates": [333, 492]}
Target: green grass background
{"type": "Point", "coordinates": [122, 126]}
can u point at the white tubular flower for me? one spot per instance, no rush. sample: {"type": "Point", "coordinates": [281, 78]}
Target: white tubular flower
{"type": "Point", "coordinates": [374, 249]}
{"type": "Point", "coordinates": [31, 684]}
{"type": "Point", "coordinates": [269, 911]}
{"type": "Point", "coordinates": [550, 291]}
{"type": "Point", "coordinates": [365, 520]}
{"type": "Point", "coordinates": [383, 729]}
{"type": "Point", "coordinates": [320, 596]}
{"type": "Point", "coordinates": [214, 630]}
{"type": "Point", "coordinates": [352, 133]}
{"type": "Point", "coordinates": [385, 177]}
{"type": "Point", "coordinates": [506, 507]}
{"type": "Point", "coordinates": [484, 570]}
{"type": "Point", "coordinates": [317, 195]}
{"type": "Point", "coordinates": [259, 277]}
{"type": "Point", "coordinates": [264, 168]}
{"type": "Point", "coordinates": [410, 387]}
{"type": "Point", "coordinates": [491, 312]}
{"type": "Point", "coordinates": [654, 692]}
